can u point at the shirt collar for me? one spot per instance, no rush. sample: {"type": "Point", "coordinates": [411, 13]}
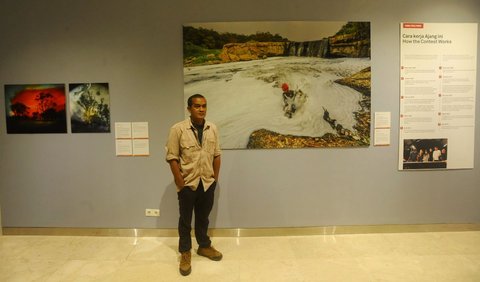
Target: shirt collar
{"type": "Point", "coordinates": [206, 125]}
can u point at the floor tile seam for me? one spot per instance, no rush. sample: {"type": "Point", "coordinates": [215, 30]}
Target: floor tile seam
{"type": "Point", "coordinates": [57, 268]}
{"type": "Point", "coordinates": [374, 276]}
{"type": "Point", "coordinates": [125, 258]}
{"type": "Point", "coordinates": [93, 259]}
{"type": "Point", "coordinates": [117, 268]}
{"type": "Point", "coordinates": [421, 262]}
{"type": "Point", "coordinates": [356, 267]}
{"type": "Point", "coordinates": [136, 252]}
{"type": "Point", "coordinates": [78, 245]}
{"type": "Point", "coordinates": [21, 253]}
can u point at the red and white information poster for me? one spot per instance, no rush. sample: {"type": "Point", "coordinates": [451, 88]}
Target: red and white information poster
{"type": "Point", "coordinates": [438, 64]}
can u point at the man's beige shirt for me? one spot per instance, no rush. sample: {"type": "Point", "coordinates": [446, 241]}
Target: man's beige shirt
{"type": "Point", "coordinates": [196, 161]}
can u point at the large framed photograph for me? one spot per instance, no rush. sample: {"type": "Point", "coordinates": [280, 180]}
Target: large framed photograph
{"type": "Point", "coordinates": [282, 84]}
{"type": "Point", "coordinates": [35, 108]}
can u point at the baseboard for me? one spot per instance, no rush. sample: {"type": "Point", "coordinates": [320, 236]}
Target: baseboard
{"type": "Point", "coordinates": [243, 232]}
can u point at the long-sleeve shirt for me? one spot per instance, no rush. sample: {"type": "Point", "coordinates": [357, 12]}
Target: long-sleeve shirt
{"type": "Point", "coordinates": [195, 159]}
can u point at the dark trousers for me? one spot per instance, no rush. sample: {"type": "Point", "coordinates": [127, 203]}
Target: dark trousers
{"type": "Point", "coordinates": [200, 202]}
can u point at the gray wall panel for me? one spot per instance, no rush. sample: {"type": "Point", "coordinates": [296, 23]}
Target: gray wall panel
{"type": "Point", "coordinates": [75, 180]}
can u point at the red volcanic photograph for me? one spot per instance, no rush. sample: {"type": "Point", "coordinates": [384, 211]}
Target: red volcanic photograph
{"type": "Point", "coordinates": [35, 108]}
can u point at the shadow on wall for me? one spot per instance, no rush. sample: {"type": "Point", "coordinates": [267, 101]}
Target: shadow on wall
{"type": "Point", "coordinates": [214, 212]}
{"type": "Point", "coordinates": [169, 208]}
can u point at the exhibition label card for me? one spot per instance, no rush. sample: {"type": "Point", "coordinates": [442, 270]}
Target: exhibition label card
{"type": "Point", "coordinates": [131, 139]}
{"type": "Point", "coordinates": [140, 130]}
{"type": "Point", "coordinates": [123, 147]}
{"type": "Point", "coordinates": [141, 147]}
{"type": "Point", "coordinates": [123, 130]}
{"type": "Point", "coordinates": [382, 129]}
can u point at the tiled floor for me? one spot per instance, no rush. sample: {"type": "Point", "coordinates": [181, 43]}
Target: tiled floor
{"type": "Point", "coordinates": [443, 256]}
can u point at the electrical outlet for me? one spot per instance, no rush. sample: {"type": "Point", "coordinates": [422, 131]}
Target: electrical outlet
{"type": "Point", "coordinates": [152, 212]}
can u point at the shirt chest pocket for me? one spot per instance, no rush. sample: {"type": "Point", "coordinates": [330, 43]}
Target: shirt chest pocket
{"type": "Point", "coordinates": [188, 149]}
{"type": "Point", "coordinates": [210, 143]}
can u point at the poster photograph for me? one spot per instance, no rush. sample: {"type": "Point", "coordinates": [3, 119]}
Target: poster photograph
{"type": "Point", "coordinates": [425, 153]}
{"type": "Point", "coordinates": [35, 108]}
{"type": "Point", "coordinates": [272, 85]}
{"type": "Point", "coordinates": [438, 77]}
{"type": "Point", "coordinates": [89, 107]}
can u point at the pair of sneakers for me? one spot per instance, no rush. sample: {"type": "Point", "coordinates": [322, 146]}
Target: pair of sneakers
{"type": "Point", "coordinates": [186, 258]}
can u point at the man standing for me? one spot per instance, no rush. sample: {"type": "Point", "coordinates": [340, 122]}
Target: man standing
{"type": "Point", "coordinates": [193, 152]}
{"type": "Point", "coordinates": [436, 154]}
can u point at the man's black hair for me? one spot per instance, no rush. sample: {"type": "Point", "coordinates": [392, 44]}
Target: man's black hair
{"type": "Point", "coordinates": [190, 102]}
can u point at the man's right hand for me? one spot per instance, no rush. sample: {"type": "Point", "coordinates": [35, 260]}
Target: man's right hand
{"type": "Point", "coordinates": [179, 182]}
{"type": "Point", "coordinates": [177, 175]}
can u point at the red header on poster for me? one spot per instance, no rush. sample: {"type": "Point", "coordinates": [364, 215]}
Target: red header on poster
{"type": "Point", "coordinates": [412, 25]}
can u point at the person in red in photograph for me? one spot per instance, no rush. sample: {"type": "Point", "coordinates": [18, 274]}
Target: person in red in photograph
{"type": "Point", "coordinates": [289, 106]}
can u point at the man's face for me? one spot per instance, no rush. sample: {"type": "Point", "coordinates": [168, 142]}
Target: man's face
{"type": "Point", "coordinates": [198, 110]}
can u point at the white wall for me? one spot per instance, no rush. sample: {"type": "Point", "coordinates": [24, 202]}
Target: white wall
{"type": "Point", "coordinates": [75, 180]}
